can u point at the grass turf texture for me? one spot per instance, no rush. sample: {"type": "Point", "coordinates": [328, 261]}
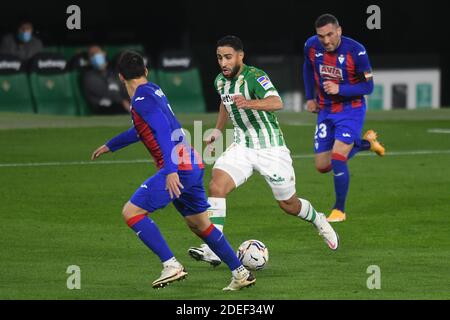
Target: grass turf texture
{"type": "Point", "coordinates": [398, 216]}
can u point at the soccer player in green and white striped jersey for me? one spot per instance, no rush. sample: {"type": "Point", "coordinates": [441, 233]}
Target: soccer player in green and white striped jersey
{"type": "Point", "coordinates": [249, 99]}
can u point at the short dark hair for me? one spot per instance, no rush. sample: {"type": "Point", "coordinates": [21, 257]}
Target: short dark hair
{"type": "Point", "coordinates": [325, 19]}
{"type": "Point", "coordinates": [131, 65]}
{"type": "Point", "coordinates": [231, 41]}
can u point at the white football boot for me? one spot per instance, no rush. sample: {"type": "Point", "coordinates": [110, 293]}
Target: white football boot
{"type": "Point", "coordinates": [327, 232]}
{"type": "Point", "coordinates": [242, 279]}
{"type": "Point", "coordinates": [170, 274]}
{"type": "Point", "coordinates": [204, 253]}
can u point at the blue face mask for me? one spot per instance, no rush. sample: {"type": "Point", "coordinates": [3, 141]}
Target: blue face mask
{"type": "Point", "coordinates": [98, 60]}
{"type": "Point", "coordinates": [25, 36]}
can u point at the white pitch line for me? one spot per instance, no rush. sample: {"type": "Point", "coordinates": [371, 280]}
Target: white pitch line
{"type": "Point", "coordinates": [295, 156]}
{"type": "Point", "coordinates": [73, 163]}
{"type": "Point", "coordinates": [388, 153]}
{"type": "Point", "coordinates": [438, 130]}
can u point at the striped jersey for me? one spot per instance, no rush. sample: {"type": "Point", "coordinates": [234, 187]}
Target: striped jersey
{"type": "Point", "coordinates": [348, 65]}
{"type": "Point", "coordinates": [254, 129]}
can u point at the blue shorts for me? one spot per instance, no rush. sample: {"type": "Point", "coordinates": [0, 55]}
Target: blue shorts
{"type": "Point", "coordinates": [345, 126]}
{"type": "Point", "coordinates": [152, 195]}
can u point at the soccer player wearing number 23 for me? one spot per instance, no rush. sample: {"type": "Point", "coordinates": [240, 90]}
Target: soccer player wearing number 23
{"type": "Point", "coordinates": [337, 69]}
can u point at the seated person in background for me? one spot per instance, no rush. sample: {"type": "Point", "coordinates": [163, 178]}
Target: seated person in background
{"type": "Point", "coordinates": [22, 44]}
{"type": "Point", "coordinates": [101, 85]}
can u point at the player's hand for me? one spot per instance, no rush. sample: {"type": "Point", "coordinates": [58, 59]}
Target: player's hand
{"type": "Point", "coordinates": [173, 184]}
{"type": "Point", "coordinates": [101, 150]}
{"type": "Point", "coordinates": [215, 134]}
{"type": "Point", "coordinates": [241, 102]}
{"type": "Point", "coordinates": [312, 106]}
{"type": "Point", "coordinates": [331, 87]}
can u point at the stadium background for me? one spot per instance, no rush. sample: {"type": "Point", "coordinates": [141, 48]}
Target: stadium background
{"type": "Point", "coordinates": [410, 35]}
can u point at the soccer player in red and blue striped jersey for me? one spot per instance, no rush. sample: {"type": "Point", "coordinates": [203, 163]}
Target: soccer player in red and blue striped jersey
{"type": "Point", "coordinates": [179, 178]}
{"type": "Point", "coordinates": [337, 74]}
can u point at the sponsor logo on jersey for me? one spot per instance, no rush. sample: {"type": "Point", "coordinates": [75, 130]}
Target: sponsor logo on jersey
{"type": "Point", "coordinates": [139, 98]}
{"type": "Point", "coordinates": [361, 53]}
{"type": "Point", "coordinates": [330, 72]}
{"type": "Point", "coordinates": [318, 54]}
{"type": "Point", "coordinates": [265, 82]}
{"type": "Point", "coordinates": [341, 58]}
{"type": "Point", "coordinates": [228, 98]}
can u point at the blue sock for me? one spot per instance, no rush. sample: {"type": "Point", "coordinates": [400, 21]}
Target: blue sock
{"type": "Point", "coordinates": [341, 180]}
{"type": "Point", "coordinates": [149, 233]}
{"type": "Point", "coordinates": [360, 145]}
{"type": "Point", "coordinates": [217, 242]}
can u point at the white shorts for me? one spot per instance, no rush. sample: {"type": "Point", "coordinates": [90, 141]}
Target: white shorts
{"type": "Point", "coordinates": [274, 164]}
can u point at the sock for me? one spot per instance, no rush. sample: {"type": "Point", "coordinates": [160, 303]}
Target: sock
{"type": "Point", "coordinates": [149, 233]}
{"type": "Point", "coordinates": [341, 180]}
{"type": "Point", "coordinates": [218, 243]}
{"type": "Point", "coordinates": [217, 212]}
{"type": "Point", "coordinates": [307, 212]}
{"type": "Point", "coordinates": [360, 145]}
{"type": "Point", "coordinates": [171, 262]}
{"type": "Point", "coordinates": [239, 272]}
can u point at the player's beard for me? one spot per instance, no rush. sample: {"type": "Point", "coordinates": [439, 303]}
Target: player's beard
{"type": "Point", "coordinates": [233, 72]}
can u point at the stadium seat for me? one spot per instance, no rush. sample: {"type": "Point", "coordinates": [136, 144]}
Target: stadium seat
{"type": "Point", "coordinates": [76, 65]}
{"type": "Point", "coordinates": [180, 80]}
{"type": "Point", "coordinates": [113, 50]}
{"type": "Point", "coordinates": [15, 93]}
{"type": "Point", "coordinates": [71, 51]}
{"type": "Point", "coordinates": [52, 49]}
{"type": "Point", "coordinates": [51, 85]}
{"type": "Point", "coordinates": [285, 72]}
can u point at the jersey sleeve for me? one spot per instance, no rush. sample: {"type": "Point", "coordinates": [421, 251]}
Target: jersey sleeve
{"type": "Point", "coordinates": [122, 140]}
{"type": "Point", "coordinates": [150, 110]}
{"type": "Point", "coordinates": [308, 74]}
{"type": "Point", "coordinates": [363, 72]}
{"type": "Point", "coordinates": [261, 85]}
{"type": "Point", "coordinates": [363, 67]}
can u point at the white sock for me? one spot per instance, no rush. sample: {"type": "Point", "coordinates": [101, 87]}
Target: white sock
{"type": "Point", "coordinates": [217, 212]}
{"type": "Point", "coordinates": [307, 212]}
{"type": "Point", "coordinates": [239, 272]}
{"type": "Point", "coordinates": [171, 262]}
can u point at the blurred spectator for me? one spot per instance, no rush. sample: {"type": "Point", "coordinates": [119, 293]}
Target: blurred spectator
{"type": "Point", "coordinates": [22, 44]}
{"type": "Point", "coordinates": [101, 85]}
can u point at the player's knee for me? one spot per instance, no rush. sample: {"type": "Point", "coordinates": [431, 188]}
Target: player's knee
{"type": "Point", "coordinates": [324, 169]}
{"type": "Point", "coordinates": [198, 224]}
{"type": "Point", "coordinates": [128, 212]}
{"type": "Point", "coordinates": [217, 190]}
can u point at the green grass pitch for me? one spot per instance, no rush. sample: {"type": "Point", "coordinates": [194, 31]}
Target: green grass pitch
{"type": "Point", "coordinates": [67, 212]}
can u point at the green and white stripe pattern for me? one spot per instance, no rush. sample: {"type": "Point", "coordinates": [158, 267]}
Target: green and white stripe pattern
{"type": "Point", "coordinates": [252, 128]}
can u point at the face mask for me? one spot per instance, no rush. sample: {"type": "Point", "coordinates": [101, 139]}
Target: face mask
{"type": "Point", "coordinates": [25, 36]}
{"type": "Point", "coordinates": [98, 60]}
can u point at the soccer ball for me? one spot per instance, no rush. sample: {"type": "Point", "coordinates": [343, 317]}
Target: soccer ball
{"type": "Point", "coordinates": [253, 254]}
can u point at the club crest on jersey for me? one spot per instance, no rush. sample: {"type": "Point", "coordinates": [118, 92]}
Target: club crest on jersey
{"type": "Point", "coordinates": [341, 58]}
{"type": "Point", "coordinates": [265, 82]}
{"type": "Point", "coordinates": [330, 72]}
